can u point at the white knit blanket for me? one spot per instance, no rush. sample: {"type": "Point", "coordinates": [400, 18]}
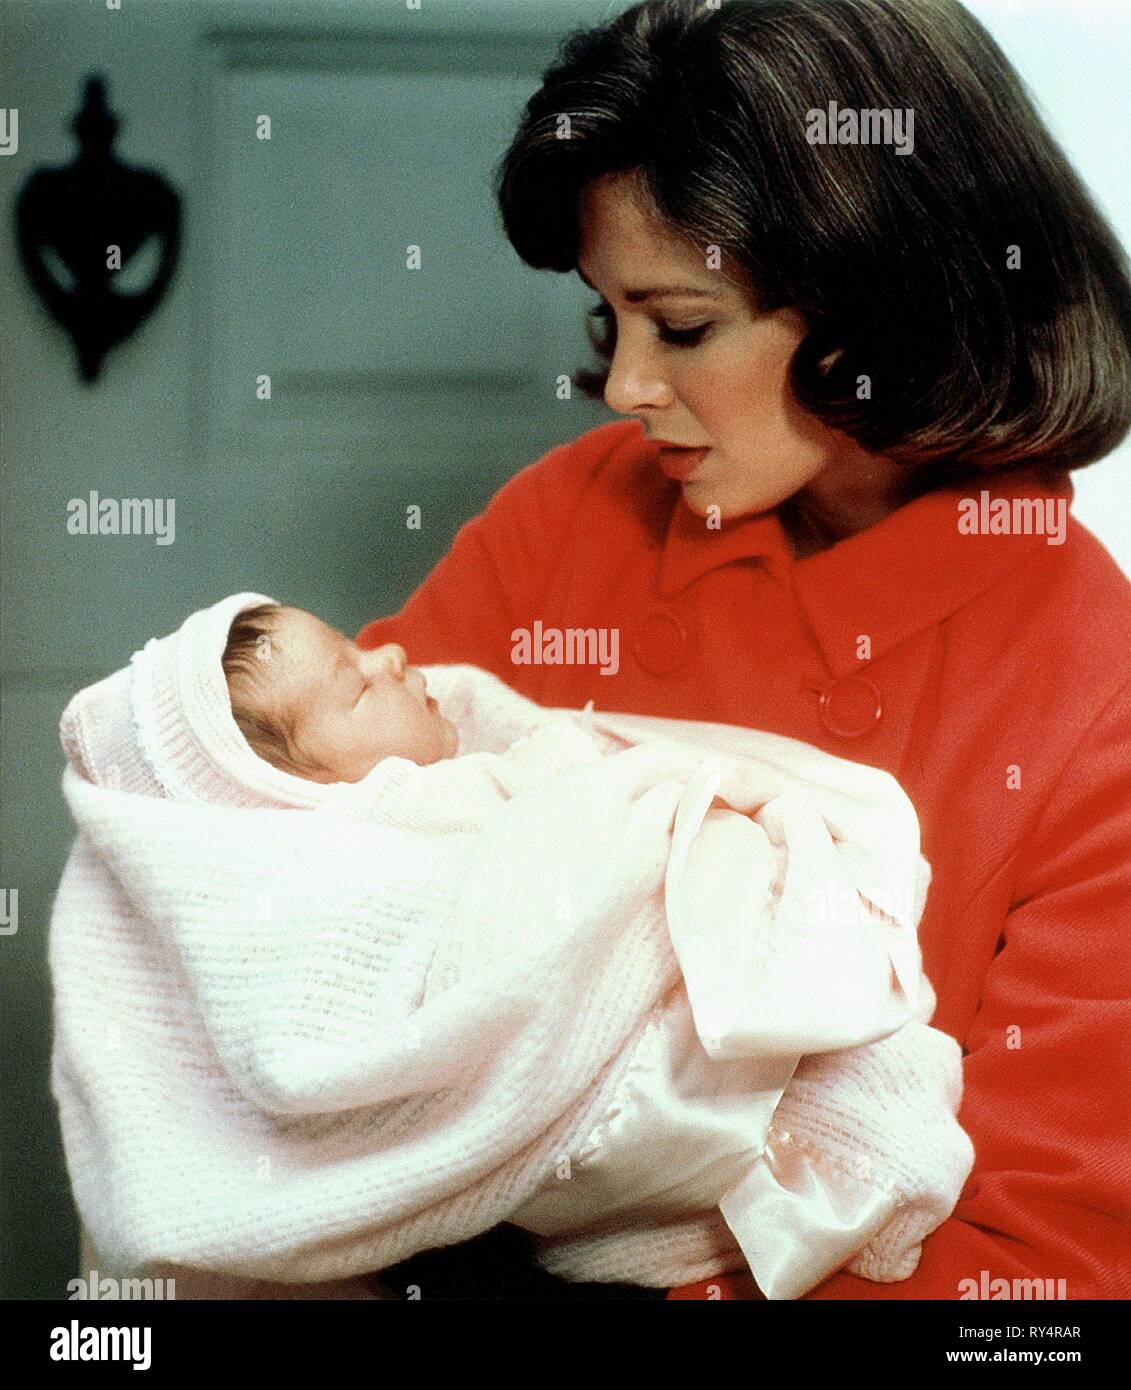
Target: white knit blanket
{"type": "Point", "coordinates": [301, 1045]}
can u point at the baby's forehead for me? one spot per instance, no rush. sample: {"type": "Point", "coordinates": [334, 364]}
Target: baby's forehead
{"type": "Point", "coordinates": [310, 655]}
{"type": "Point", "coordinates": [299, 625]}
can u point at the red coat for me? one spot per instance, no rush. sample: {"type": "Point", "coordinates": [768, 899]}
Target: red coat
{"type": "Point", "coordinates": [997, 690]}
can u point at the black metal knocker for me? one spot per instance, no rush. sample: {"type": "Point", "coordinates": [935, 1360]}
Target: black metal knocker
{"type": "Point", "coordinates": [70, 217]}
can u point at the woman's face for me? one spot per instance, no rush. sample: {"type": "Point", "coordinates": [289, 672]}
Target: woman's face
{"type": "Point", "coordinates": [699, 366]}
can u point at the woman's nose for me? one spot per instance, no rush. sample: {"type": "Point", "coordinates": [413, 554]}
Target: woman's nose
{"type": "Point", "coordinates": [632, 381]}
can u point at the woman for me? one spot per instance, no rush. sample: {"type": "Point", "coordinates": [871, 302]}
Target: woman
{"type": "Point", "coordinates": [857, 376]}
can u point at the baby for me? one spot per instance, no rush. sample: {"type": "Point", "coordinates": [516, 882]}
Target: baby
{"type": "Point", "coordinates": [312, 703]}
{"type": "Point", "coordinates": [535, 891]}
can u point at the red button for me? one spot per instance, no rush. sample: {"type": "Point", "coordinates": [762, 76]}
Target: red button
{"type": "Point", "coordinates": [850, 707]}
{"type": "Point", "coordinates": [661, 643]}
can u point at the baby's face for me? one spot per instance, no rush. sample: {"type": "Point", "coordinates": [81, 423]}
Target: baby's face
{"type": "Point", "coordinates": [349, 708]}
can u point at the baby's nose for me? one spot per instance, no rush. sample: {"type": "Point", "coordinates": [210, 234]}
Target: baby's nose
{"type": "Point", "coordinates": [390, 658]}
{"type": "Point", "coordinates": [396, 657]}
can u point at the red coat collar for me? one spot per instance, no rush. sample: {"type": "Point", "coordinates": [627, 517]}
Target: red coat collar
{"type": "Point", "coordinates": [907, 572]}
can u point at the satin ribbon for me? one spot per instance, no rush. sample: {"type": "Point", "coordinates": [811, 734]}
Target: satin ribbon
{"type": "Point", "coordinates": [798, 1222]}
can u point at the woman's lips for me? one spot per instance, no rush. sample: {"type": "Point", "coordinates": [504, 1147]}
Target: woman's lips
{"type": "Point", "coordinates": [680, 463]}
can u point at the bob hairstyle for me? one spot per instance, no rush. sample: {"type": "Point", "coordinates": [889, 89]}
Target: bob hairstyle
{"type": "Point", "coordinates": [901, 265]}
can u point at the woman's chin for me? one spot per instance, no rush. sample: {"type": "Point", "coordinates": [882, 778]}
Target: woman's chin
{"type": "Point", "coordinates": [713, 504]}
{"type": "Point", "coordinates": [704, 501]}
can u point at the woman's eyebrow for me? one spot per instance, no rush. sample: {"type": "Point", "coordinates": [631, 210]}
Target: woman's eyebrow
{"type": "Point", "coordinates": [638, 296]}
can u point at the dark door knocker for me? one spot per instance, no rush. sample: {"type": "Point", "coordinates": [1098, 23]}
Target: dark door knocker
{"type": "Point", "coordinates": [78, 226]}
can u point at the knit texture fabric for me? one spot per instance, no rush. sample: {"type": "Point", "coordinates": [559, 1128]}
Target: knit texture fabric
{"type": "Point", "coordinates": [302, 1047]}
{"type": "Point", "coordinates": [163, 725]}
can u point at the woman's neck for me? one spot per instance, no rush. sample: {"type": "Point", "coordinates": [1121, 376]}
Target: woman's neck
{"type": "Point", "coordinates": [843, 499]}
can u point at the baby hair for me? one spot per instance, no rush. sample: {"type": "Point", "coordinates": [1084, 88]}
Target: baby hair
{"type": "Point", "coordinates": [250, 648]}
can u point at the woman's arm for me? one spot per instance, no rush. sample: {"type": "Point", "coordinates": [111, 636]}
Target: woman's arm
{"type": "Point", "coordinates": [1048, 1068]}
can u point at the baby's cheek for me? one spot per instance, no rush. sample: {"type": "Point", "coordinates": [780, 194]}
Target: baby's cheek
{"type": "Point", "coordinates": [451, 740]}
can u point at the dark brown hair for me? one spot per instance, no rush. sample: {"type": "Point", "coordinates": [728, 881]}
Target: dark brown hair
{"type": "Point", "coordinates": [898, 262]}
{"type": "Point", "coordinates": [262, 722]}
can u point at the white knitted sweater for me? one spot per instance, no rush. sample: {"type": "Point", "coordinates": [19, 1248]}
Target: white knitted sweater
{"type": "Point", "coordinates": [303, 1045]}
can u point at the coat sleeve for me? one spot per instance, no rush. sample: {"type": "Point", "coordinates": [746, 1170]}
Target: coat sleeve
{"type": "Point", "coordinates": [494, 574]}
{"type": "Point", "coordinates": [1047, 1075]}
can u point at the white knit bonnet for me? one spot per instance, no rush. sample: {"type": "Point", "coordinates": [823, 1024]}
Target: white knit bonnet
{"type": "Point", "coordinates": [163, 725]}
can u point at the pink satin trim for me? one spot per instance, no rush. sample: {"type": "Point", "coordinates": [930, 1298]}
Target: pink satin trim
{"type": "Point", "coordinates": [798, 1221]}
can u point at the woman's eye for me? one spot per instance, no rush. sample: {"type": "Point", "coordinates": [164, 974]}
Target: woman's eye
{"type": "Point", "coordinates": [676, 337]}
{"type": "Point", "coordinates": [683, 337]}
